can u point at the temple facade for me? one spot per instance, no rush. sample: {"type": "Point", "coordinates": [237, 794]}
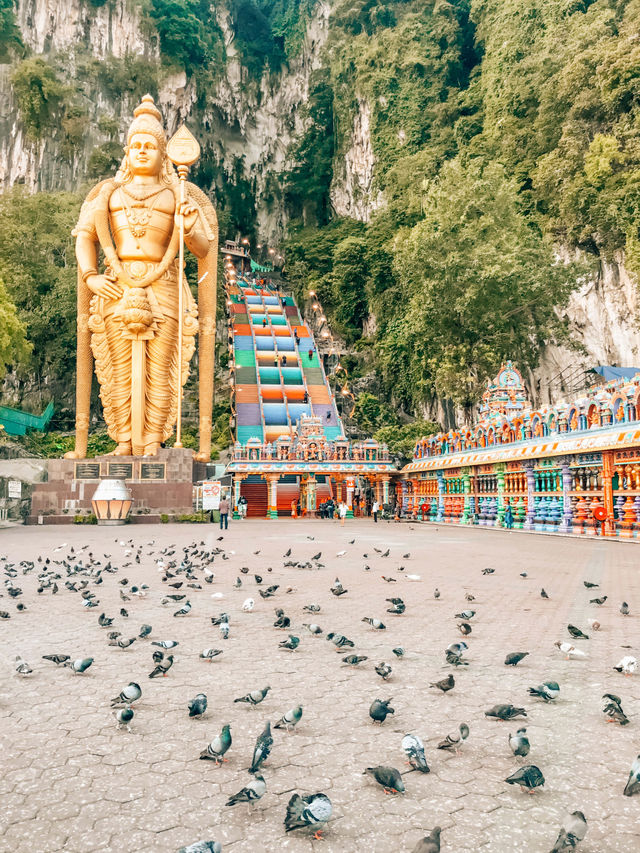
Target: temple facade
{"type": "Point", "coordinates": [569, 468]}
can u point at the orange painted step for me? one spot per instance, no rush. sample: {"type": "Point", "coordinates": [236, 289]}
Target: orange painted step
{"type": "Point", "coordinates": [270, 392]}
{"type": "Point", "coordinates": [319, 394]}
{"type": "Point", "coordinates": [247, 394]}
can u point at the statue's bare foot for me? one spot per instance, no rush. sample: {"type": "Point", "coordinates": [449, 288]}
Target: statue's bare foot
{"type": "Point", "coordinates": [74, 454]}
{"type": "Point", "coordinates": [152, 448]}
{"type": "Point", "coordinates": [123, 448]}
{"type": "Point", "coordinates": [202, 456]}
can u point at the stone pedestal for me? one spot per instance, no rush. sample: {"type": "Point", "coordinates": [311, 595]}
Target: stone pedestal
{"type": "Point", "coordinates": [160, 484]}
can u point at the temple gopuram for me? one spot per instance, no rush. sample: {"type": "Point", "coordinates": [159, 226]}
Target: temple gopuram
{"type": "Point", "coordinates": [569, 468]}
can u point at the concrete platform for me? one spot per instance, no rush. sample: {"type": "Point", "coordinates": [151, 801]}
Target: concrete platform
{"type": "Point", "coordinates": [72, 782]}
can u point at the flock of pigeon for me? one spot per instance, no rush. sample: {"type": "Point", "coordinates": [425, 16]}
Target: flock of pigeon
{"type": "Point", "coordinates": [81, 574]}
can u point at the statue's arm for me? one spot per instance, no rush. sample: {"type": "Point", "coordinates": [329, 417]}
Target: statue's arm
{"type": "Point", "coordinates": [196, 238]}
{"type": "Point", "coordinates": [87, 257]}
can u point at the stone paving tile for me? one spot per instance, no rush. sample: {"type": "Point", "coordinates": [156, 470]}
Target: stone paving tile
{"type": "Point", "coordinates": [72, 781]}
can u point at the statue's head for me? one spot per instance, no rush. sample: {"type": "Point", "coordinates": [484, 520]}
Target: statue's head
{"type": "Point", "coordinates": [145, 151]}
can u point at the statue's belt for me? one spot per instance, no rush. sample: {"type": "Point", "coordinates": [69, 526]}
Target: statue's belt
{"type": "Point", "coordinates": [138, 270]}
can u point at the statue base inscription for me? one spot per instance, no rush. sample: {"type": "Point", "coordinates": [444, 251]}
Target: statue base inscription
{"type": "Point", "coordinates": [162, 484]}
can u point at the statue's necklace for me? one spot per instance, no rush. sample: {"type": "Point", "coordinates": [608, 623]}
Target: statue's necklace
{"type": "Point", "coordinates": [138, 217]}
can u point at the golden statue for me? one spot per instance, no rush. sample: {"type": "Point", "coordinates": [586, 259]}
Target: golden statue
{"type": "Point", "coordinates": [129, 316]}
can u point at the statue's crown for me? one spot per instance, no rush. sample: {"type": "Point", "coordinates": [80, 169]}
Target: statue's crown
{"type": "Point", "coordinates": [148, 119]}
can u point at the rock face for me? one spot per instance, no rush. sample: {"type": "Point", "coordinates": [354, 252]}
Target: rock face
{"type": "Point", "coordinates": [246, 128]}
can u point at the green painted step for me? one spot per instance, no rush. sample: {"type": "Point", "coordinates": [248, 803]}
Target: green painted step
{"type": "Point", "coordinates": [244, 433]}
{"type": "Point", "coordinates": [314, 376]}
{"type": "Point", "coordinates": [245, 358]}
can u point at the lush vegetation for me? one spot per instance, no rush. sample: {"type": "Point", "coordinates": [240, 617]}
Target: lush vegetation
{"type": "Point", "coordinates": [501, 129]}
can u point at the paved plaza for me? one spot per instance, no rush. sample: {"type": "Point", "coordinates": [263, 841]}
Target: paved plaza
{"type": "Point", "coordinates": [72, 781]}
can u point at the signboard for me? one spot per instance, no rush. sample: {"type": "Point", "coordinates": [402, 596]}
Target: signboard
{"type": "Point", "coordinates": [153, 471]}
{"type": "Point", "coordinates": [87, 471]}
{"type": "Point", "coordinates": [120, 470]}
{"type": "Point", "coordinates": [211, 493]}
{"type": "Point", "coordinates": [14, 489]}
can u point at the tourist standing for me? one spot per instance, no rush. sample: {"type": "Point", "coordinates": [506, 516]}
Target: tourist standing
{"type": "Point", "coordinates": [342, 510]}
{"type": "Point", "coordinates": [375, 509]}
{"type": "Point", "coordinates": [224, 513]}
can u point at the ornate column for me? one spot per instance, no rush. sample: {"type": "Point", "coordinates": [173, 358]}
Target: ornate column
{"type": "Point", "coordinates": [566, 523]}
{"type": "Point", "coordinates": [350, 488]}
{"type": "Point", "coordinates": [272, 495]}
{"type": "Point", "coordinates": [607, 487]}
{"type": "Point", "coordinates": [311, 496]}
{"type": "Point", "coordinates": [441, 486]}
{"type": "Point", "coordinates": [528, 523]}
{"type": "Point", "coordinates": [237, 483]}
{"type": "Point", "coordinates": [466, 488]}
{"type": "Point", "coordinates": [500, 489]}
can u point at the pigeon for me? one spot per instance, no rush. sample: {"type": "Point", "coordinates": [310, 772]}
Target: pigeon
{"type": "Point", "coordinates": [104, 621]}
{"type": "Point", "coordinates": [312, 628]}
{"type": "Point", "coordinates": [184, 610]}
{"type": "Point", "coordinates": [290, 720]}
{"type": "Point", "coordinates": [548, 690]}
{"type": "Point", "coordinates": [505, 712]}
{"type": "Point", "coordinates": [488, 571]}
{"type": "Point", "coordinates": [576, 633]}
{"type": "Point", "coordinates": [254, 697]}
{"type": "Point", "coordinates": [224, 630]}
{"type": "Point", "coordinates": [444, 684]}
{"type": "Point", "coordinates": [123, 644]}
{"type": "Point", "coordinates": [430, 843]}
{"type": "Point", "coordinates": [574, 829]}
{"type": "Point", "coordinates": [613, 709]}
{"type": "Point", "coordinates": [216, 750]}
{"type": "Point", "coordinates": [248, 605]}
{"type": "Point", "coordinates": [220, 619]}
{"type": "Point", "coordinates": [455, 739]}
{"type": "Point", "coordinates": [282, 621]}
{"type": "Point", "coordinates": [569, 650]}
{"type": "Point", "coordinates": [287, 553]}
{"type": "Point", "coordinates": [519, 743]}
{"type": "Point", "coordinates": [22, 667]}
{"type": "Point", "coordinates": [253, 791]}
{"type": "Point", "coordinates": [624, 608]}
{"type": "Point", "coordinates": [593, 624]}
{"type": "Point", "coordinates": [312, 811]}
{"type": "Point", "coordinates": [379, 710]}
{"type": "Point", "coordinates": [599, 602]}
{"type": "Point", "coordinates": [339, 641]}
{"type": "Point", "coordinates": [469, 597]}
{"type": "Point", "coordinates": [261, 750]}
{"type": "Point", "coordinates": [198, 705]}
{"type": "Point", "coordinates": [79, 665]}
{"type": "Point", "coordinates": [166, 644]}
{"type": "Point", "coordinates": [514, 658]}
{"type": "Point", "coordinates": [398, 606]}
{"type": "Point", "coordinates": [375, 623]}
{"type": "Point", "coordinates": [337, 589]}
{"type": "Point", "coordinates": [633, 782]}
{"type": "Point", "coordinates": [203, 846]}
{"type": "Point", "coordinates": [528, 777]}
{"type": "Point", "coordinates": [354, 660]}
{"type": "Point", "coordinates": [130, 694]}
{"type": "Point", "coordinates": [398, 651]}
{"type": "Point", "coordinates": [627, 665]}
{"type": "Point", "coordinates": [414, 750]}
{"type": "Point", "coordinates": [162, 667]}
{"type": "Point", "coordinates": [466, 615]}
{"type": "Point", "coordinates": [543, 593]}
{"type": "Point", "coordinates": [388, 777]}
{"type": "Point", "coordinates": [464, 628]}
{"type": "Point", "coordinates": [210, 654]}
{"type": "Point", "coordinates": [145, 630]}
{"type": "Point", "coordinates": [124, 717]}
{"type": "Point", "coordinates": [291, 643]}
{"type": "Point", "coordinates": [57, 659]}
{"type": "Point", "coordinates": [312, 608]}
{"type": "Point", "coordinates": [384, 670]}
{"type": "Point", "coordinates": [590, 585]}
{"type": "Point", "coordinates": [157, 656]}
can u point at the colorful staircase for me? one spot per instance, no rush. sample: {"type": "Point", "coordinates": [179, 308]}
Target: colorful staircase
{"type": "Point", "coordinates": [278, 373]}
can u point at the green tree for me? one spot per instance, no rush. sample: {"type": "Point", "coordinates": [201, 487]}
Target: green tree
{"type": "Point", "coordinates": [10, 36]}
{"type": "Point", "coordinates": [349, 277]}
{"type": "Point", "coordinates": [40, 94]}
{"type": "Point", "coordinates": [37, 263]}
{"type": "Point", "coordinates": [13, 343]}
{"type": "Point", "coordinates": [182, 33]}
{"type": "Point", "coordinates": [480, 285]}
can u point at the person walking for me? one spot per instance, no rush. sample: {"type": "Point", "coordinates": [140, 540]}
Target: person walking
{"type": "Point", "coordinates": [242, 507]}
{"type": "Point", "coordinates": [224, 513]}
{"type": "Point", "coordinates": [342, 512]}
{"type": "Point", "coordinates": [375, 509]}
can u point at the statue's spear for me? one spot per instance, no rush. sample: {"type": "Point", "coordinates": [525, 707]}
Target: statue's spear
{"type": "Point", "coordinates": [183, 151]}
